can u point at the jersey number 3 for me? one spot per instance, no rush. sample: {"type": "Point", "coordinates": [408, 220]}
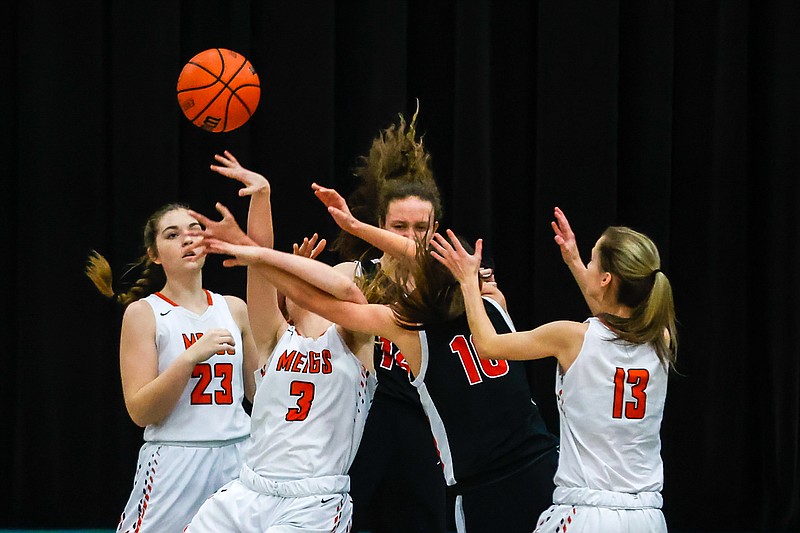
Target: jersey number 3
{"type": "Point", "coordinates": [637, 378]}
{"type": "Point", "coordinates": [305, 392]}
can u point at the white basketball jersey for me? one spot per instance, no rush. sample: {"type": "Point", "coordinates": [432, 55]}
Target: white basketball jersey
{"type": "Point", "coordinates": [611, 403]}
{"type": "Point", "coordinates": [311, 403]}
{"type": "Point", "coordinates": [210, 407]}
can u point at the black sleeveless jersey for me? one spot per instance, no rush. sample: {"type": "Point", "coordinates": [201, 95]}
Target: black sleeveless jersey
{"type": "Point", "coordinates": [390, 365]}
{"type": "Point", "coordinates": [481, 413]}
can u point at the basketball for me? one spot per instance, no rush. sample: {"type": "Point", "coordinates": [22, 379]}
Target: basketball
{"type": "Point", "coordinates": [218, 90]}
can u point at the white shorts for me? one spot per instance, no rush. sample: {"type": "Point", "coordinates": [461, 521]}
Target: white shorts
{"type": "Point", "coordinates": [173, 481]}
{"type": "Point", "coordinates": [236, 508]}
{"type": "Point", "coordinates": [594, 511]}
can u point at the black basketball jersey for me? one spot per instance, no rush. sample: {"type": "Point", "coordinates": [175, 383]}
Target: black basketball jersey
{"type": "Point", "coordinates": [390, 365]}
{"type": "Point", "coordinates": [481, 413]}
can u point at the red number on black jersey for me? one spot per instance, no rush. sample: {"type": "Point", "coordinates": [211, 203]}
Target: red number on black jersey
{"type": "Point", "coordinates": [470, 361]}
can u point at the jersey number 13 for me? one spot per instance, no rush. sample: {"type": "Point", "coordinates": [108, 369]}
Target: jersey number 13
{"type": "Point", "coordinates": [637, 378]}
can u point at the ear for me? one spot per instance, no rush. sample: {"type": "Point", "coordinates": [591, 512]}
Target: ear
{"type": "Point", "coordinates": [435, 226]}
{"type": "Point", "coordinates": [605, 279]}
{"type": "Point", "coordinates": [153, 256]}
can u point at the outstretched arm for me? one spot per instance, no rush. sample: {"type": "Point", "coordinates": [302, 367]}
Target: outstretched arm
{"type": "Point", "coordinates": [266, 318]}
{"type": "Point", "coordinates": [395, 245]}
{"type": "Point", "coordinates": [548, 340]}
{"type": "Point", "coordinates": [256, 186]}
{"type": "Point", "coordinates": [289, 273]}
{"type": "Point", "coordinates": [565, 239]}
{"type": "Point", "coordinates": [225, 237]}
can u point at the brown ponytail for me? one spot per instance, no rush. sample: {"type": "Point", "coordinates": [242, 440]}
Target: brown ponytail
{"type": "Point", "coordinates": [152, 276]}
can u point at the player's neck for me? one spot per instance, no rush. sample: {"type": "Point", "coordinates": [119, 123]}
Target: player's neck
{"type": "Point", "coordinates": [310, 325]}
{"type": "Point", "coordinates": [187, 293]}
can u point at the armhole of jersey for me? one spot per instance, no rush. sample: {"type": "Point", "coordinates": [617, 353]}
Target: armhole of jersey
{"type": "Point", "coordinates": [423, 359]}
{"type": "Point", "coordinates": [345, 346]}
{"type": "Point", "coordinates": [221, 301]}
{"type": "Point", "coordinates": [502, 312]}
{"type": "Point", "coordinates": [586, 337]}
{"type": "Point", "coordinates": [150, 303]}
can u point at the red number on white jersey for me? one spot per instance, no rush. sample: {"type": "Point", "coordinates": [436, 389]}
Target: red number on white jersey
{"type": "Point", "coordinates": [637, 378]}
{"type": "Point", "coordinates": [305, 391]}
{"type": "Point", "coordinates": [206, 372]}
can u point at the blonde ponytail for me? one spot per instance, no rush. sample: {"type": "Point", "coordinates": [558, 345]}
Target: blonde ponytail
{"type": "Point", "coordinates": [633, 259]}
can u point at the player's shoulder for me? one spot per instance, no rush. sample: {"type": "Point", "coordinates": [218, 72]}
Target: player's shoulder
{"type": "Point", "coordinates": [139, 312]}
{"type": "Point", "coordinates": [348, 268]}
{"type": "Point", "coordinates": [238, 310]}
{"type": "Point", "coordinates": [138, 307]}
{"type": "Point", "coordinates": [235, 303]}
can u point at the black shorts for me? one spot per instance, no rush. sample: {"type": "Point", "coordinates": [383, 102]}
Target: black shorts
{"type": "Point", "coordinates": [396, 480]}
{"type": "Point", "coordinates": [513, 503]}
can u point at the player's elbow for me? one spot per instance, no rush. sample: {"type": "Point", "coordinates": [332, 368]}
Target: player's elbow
{"type": "Point", "coordinates": [140, 416]}
{"type": "Point", "coordinates": [351, 293]}
{"type": "Point", "coordinates": [484, 349]}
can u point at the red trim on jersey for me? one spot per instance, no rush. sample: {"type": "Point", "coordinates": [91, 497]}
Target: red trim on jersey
{"type": "Point", "coordinates": [170, 302]}
{"type": "Point", "coordinates": [209, 299]}
{"type": "Point", "coordinates": [603, 321]}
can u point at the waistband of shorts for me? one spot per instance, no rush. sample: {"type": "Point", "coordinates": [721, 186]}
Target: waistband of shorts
{"type": "Point", "coordinates": [607, 498]}
{"type": "Point", "coordinates": [297, 488]}
{"type": "Point", "coordinates": [463, 485]}
{"type": "Point", "coordinates": [200, 443]}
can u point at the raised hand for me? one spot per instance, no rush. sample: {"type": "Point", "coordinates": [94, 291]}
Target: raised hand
{"type": "Point", "coordinates": [227, 229]}
{"type": "Point", "coordinates": [464, 266]}
{"type": "Point", "coordinates": [310, 247]}
{"type": "Point", "coordinates": [231, 168]}
{"type": "Point", "coordinates": [337, 207]}
{"type": "Point", "coordinates": [565, 238]}
{"type": "Point", "coordinates": [330, 198]}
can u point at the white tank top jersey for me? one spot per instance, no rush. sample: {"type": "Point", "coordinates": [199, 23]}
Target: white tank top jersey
{"type": "Point", "coordinates": [210, 407]}
{"type": "Point", "coordinates": [311, 404]}
{"type": "Point", "coordinates": [611, 403]}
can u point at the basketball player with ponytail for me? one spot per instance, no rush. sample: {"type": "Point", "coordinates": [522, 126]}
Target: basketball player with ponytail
{"type": "Point", "coordinates": [611, 381]}
{"type": "Point", "coordinates": [187, 358]}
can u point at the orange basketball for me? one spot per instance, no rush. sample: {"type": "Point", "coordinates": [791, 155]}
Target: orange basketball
{"type": "Point", "coordinates": [218, 90]}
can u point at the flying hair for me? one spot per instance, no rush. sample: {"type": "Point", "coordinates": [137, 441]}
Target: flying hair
{"type": "Point", "coordinates": [397, 166]}
{"type": "Point", "coordinates": [151, 277]}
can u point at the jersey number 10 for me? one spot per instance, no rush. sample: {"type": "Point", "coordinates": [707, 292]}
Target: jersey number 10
{"type": "Point", "coordinates": [471, 362]}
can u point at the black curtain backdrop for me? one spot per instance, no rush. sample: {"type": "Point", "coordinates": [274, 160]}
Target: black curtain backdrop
{"type": "Point", "coordinates": [680, 119]}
